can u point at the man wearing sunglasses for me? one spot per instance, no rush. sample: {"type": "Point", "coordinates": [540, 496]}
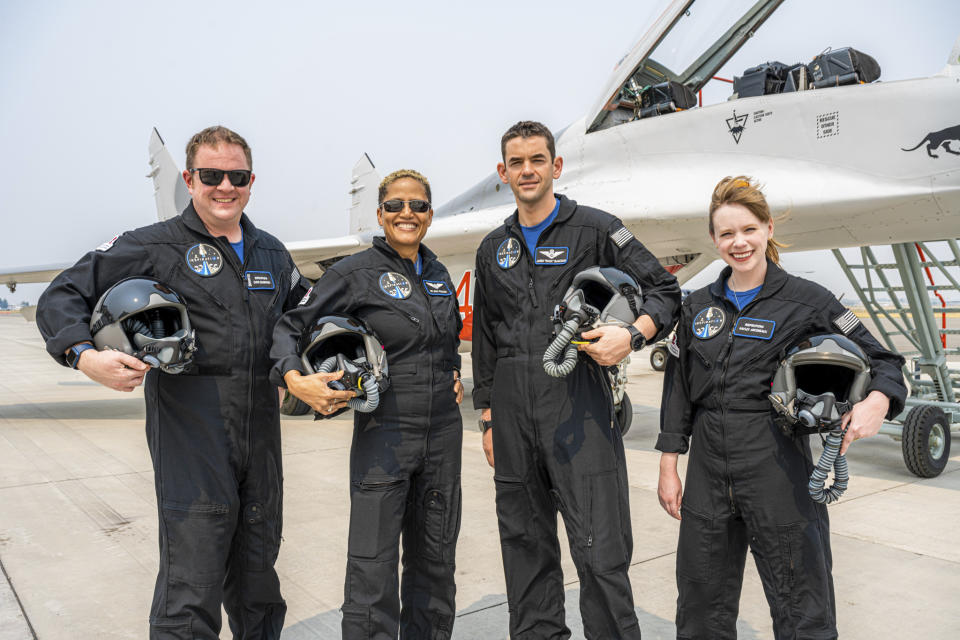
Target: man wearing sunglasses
{"type": "Point", "coordinates": [213, 430]}
{"type": "Point", "coordinates": [555, 441]}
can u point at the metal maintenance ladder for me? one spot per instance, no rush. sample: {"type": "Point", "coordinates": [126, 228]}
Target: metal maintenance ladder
{"type": "Point", "coordinates": [905, 300]}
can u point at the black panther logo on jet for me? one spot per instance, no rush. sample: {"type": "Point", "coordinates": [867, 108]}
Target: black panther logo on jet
{"type": "Point", "coordinates": [941, 138]}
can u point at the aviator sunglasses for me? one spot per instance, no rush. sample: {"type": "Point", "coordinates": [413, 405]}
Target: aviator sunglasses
{"type": "Point", "coordinates": [213, 177]}
{"type": "Point", "coordinates": [395, 206]}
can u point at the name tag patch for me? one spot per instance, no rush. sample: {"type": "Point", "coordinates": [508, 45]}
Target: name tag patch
{"type": "Point", "coordinates": [437, 288]}
{"type": "Point", "coordinates": [754, 328]}
{"type": "Point", "coordinates": [551, 255]}
{"type": "Point", "coordinates": [259, 280]}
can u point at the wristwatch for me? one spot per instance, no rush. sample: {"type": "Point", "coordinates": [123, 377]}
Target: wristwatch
{"type": "Point", "coordinates": [73, 355]}
{"type": "Point", "coordinates": [637, 341]}
{"type": "Point", "coordinates": [484, 425]}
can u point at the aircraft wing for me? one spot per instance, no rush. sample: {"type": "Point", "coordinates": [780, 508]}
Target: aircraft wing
{"type": "Point", "coordinates": [34, 274]}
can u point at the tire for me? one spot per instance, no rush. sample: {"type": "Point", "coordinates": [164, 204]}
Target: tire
{"type": "Point", "coordinates": [625, 415]}
{"type": "Point", "coordinates": [293, 406]}
{"type": "Point", "coordinates": [658, 358]}
{"type": "Point", "coordinates": [926, 441]}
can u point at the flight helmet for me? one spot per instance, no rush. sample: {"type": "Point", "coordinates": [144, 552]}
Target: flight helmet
{"type": "Point", "coordinates": [146, 319]}
{"type": "Point", "coordinates": [818, 380]}
{"type": "Point", "coordinates": [344, 343]}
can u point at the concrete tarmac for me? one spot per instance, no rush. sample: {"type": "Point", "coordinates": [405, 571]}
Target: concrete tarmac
{"type": "Point", "coordinates": [78, 522]}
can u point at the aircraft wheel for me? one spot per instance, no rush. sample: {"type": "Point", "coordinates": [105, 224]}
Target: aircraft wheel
{"type": "Point", "coordinates": [293, 406]}
{"type": "Point", "coordinates": [926, 441]}
{"type": "Point", "coordinates": [625, 415]}
{"type": "Point", "coordinates": [658, 358]}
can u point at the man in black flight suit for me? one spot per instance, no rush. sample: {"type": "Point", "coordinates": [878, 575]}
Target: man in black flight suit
{"type": "Point", "coordinates": [556, 442]}
{"type": "Point", "coordinates": [214, 430]}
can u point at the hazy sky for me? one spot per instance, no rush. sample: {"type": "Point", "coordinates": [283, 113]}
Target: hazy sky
{"type": "Point", "coordinates": [425, 85]}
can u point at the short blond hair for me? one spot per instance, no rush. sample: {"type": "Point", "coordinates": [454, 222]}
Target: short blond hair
{"type": "Point", "coordinates": [397, 175]}
{"type": "Point", "coordinates": [742, 191]}
{"type": "Point", "coordinates": [214, 137]}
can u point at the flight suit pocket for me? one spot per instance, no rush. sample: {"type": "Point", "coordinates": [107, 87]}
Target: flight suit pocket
{"type": "Point", "coordinates": [695, 548]}
{"type": "Point", "coordinates": [513, 510]}
{"type": "Point", "coordinates": [179, 628]}
{"type": "Point", "coordinates": [254, 527]}
{"type": "Point", "coordinates": [605, 529]}
{"type": "Point", "coordinates": [803, 573]}
{"type": "Point", "coordinates": [434, 512]}
{"type": "Point", "coordinates": [375, 511]}
{"type": "Point", "coordinates": [198, 539]}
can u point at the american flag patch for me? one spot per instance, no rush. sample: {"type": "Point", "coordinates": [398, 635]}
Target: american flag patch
{"type": "Point", "coordinates": [294, 278]}
{"type": "Point", "coordinates": [621, 236]}
{"type": "Point", "coordinates": [672, 347]}
{"type": "Point", "coordinates": [305, 297]}
{"type": "Point", "coordinates": [108, 244]}
{"type": "Point", "coordinates": [846, 322]}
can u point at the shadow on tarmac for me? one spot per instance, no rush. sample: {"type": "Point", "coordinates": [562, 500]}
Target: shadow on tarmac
{"type": "Point", "coordinates": [487, 618]}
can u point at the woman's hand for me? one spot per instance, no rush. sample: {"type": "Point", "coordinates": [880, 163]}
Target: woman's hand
{"type": "Point", "coordinates": [487, 438]}
{"type": "Point", "coordinates": [314, 391]}
{"type": "Point", "coordinates": [865, 418]}
{"type": "Point", "coordinates": [457, 386]}
{"type": "Point", "coordinates": [669, 488]}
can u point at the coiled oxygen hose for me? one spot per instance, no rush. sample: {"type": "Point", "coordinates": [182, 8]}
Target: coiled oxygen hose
{"type": "Point", "coordinates": [561, 345]}
{"type": "Point", "coordinates": [830, 458]}
{"type": "Point", "coordinates": [369, 385]}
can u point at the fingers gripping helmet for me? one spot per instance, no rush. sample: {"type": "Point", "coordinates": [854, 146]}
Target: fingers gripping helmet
{"type": "Point", "coordinates": [343, 343]}
{"type": "Point", "coordinates": [597, 296]}
{"type": "Point", "coordinates": [147, 320]}
{"type": "Point", "coordinates": [818, 380]}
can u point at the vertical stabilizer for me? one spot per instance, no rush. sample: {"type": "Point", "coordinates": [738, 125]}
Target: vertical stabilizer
{"type": "Point", "coordinates": [363, 191]}
{"type": "Point", "coordinates": [954, 59]}
{"type": "Point", "coordinates": [168, 187]}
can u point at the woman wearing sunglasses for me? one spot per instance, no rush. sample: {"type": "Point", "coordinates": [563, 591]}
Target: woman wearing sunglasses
{"type": "Point", "coordinates": [405, 457]}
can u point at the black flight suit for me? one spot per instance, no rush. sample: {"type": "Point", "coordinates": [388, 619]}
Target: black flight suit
{"type": "Point", "coordinates": [214, 430]}
{"type": "Point", "coordinates": [405, 455]}
{"type": "Point", "coordinates": [555, 442]}
{"type": "Point", "coordinates": [746, 481]}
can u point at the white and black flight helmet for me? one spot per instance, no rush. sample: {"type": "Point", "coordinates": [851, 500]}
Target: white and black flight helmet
{"type": "Point", "coordinates": [343, 343]}
{"type": "Point", "coordinates": [146, 319]}
{"type": "Point", "coordinates": [598, 296]}
{"type": "Point", "coordinates": [819, 379]}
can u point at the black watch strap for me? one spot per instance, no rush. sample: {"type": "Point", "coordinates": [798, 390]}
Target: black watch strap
{"type": "Point", "coordinates": [484, 425]}
{"type": "Point", "coordinates": [637, 340]}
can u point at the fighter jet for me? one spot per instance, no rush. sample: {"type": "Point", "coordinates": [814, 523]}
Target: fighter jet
{"type": "Point", "coordinates": [840, 152]}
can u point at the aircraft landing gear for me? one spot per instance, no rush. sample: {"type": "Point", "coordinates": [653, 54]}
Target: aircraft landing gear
{"type": "Point", "coordinates": [658, 357]}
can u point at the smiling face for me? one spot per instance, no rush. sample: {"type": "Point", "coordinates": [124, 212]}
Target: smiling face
{"type": "Point", "coordinates": [529, 170]}
{"type": "Point", "coordinates": [405, 229]}
{"type": "Point", "coordinates": [741, 238]}
{"type": "Point", "coordinates": [219, 207]}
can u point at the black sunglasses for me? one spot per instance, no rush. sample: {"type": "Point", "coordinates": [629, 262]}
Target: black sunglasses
{"type": "Point", "coordinates": [395, 206]}
{"type": "Point", "coordinates": [213, 177]}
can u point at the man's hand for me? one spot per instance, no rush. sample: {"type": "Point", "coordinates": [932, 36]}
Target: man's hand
{"type": "Point", "coordinates": [865, 418]}
{"type": "Point", "coordinates": [669, 488]}
{"type": "Point", "coordinates": [314, 391]}
{"type": "Point", "coordinates": [113, 369]}
{"type": "Point", "coordinates": [487, 438]}
{"type": "Point", "coordinates": [457, 387]}
{"type": "Point", "coordinates": [612, 347]}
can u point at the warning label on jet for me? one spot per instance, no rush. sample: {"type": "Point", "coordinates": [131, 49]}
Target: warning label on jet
{"type": "Point", "coordinates": [828, 124]}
